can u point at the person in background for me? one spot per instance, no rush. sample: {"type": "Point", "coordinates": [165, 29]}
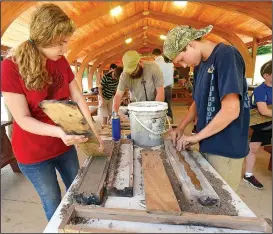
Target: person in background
{"type": "Point", "coordinates": [175, 75]}
{"type": "Point", "coordinates": [112, 68]}
{"type": "Point", "coordinates": [143, 79]}
{"type": "Point", "coordinates": [220, 100]}
{"type": "Point", "coordinates": [167, 71]}
{"type": "Point", "coordinates": [35, 71]}
{"type": "Point", "coordinates": [262, 133]}
{"type": "Point", "coordinates": [107, 90]}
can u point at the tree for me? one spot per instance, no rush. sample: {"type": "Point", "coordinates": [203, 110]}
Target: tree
{"type": "Point", "coordinates": [266, 49]}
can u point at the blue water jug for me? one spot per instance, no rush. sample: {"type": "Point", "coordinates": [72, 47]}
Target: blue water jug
{"type": "Point", "coordinates": [116, 127]}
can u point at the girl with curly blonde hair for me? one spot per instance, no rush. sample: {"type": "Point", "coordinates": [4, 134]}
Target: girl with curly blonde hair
{"type": "Point", "coordinates": [35, 71]}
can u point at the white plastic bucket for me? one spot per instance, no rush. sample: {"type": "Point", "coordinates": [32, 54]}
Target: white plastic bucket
{"type": "Point", "coordinates": [147, 122]}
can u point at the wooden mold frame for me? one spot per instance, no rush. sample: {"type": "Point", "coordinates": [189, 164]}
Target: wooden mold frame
{"type": "Point", "coordinates": [126, 157]}
{"type": "Point", "coordinates": [194, 184]}
{"type": "Point", "coordinates": [130, 215]}
{"type": "Point", "coordinates": [90, 188]}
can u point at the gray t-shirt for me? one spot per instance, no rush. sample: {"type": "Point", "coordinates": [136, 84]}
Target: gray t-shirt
{"type": "Point", "coordinates": [153, 77]}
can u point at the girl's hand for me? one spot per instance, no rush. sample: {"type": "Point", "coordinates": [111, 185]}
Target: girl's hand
{"type": "Point", "coordinates": [71, 139]}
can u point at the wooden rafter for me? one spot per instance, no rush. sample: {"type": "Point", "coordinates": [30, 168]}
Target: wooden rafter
{"type": "Point", "coordinates": [10, 11]}
{"type": "Point", "coordinates": [94, 52]}
{"type": "Point", "coordinates": [262, 15]}
{"type": "Point", "coordinates": [107, 48]}
{"type": "Point", "coordinates": [83, 43]}
{"type": "Point", "coordinates": [228, 36]}
{"type": "Point", "coordinates": [261, 41]}
{"type": "Point", "coordinates": [86, 41]}
{"type": "Point", "coordinates": [96, 12]}
{"type": "Point", "coordinates": [150, 44]}
{"type": "Point", "coordinates": [104, 57]}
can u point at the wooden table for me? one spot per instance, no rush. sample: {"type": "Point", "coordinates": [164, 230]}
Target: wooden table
{"type": "Point", "coordinates": [181, 94]}
{"type": "Point", "coordinates": [7, 156]}
{"type": "Point", "coordinates": [91, 97]}
{"type": "Point", "coordinates": [135, 203]}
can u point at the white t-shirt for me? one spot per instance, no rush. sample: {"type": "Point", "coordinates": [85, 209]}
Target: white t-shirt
{"type": "Point", "coordinates": [167, 70]}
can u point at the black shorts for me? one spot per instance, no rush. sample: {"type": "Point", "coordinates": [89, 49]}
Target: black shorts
{"type": "Point", "coordinates": [260, 135]}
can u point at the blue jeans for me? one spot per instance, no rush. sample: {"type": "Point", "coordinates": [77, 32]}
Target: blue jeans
{"type": "Point", "coordinates": [44, 178]}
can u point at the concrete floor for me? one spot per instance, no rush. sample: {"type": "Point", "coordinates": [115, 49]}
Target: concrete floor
{"type": "Point", "coordinates": [22, 211]}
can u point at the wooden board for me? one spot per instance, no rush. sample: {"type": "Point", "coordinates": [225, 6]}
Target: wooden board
{"type": "Point", "coordinates": [123, 181]}
{"type": "Point", "coordinates": [194, 184]}
{"type": "Point", "coordinates": [159, 195]}
{"type": "Point", "coordinates": [90, 148]}
{"type": "Point", "coordinates": [257, 118]}
{"type": "Point", "coordinates": [90, 188]}
{"type": "Point", "coordinates": [108, 132]}
{"type": "Point", "coordinates": [76, 229]}
{"type": "Point", "coordinates": [66, 219]}
{"type": "Point", "coordinates": [69, 117]}
{"type": "Point", "coordinates": [221, 221]}
{"type": "Point", "coordinates": [126, 126]}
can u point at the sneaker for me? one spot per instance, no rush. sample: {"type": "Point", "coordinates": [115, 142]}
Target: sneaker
{"type": "Point", "coordinates": [253, 182]}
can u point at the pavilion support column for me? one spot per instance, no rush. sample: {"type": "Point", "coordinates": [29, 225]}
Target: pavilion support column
{"type": "Point", "coordinates": [254, 55]}
{"type": "Point", "coordinates": [90, 78]}
{"type": "Point", "coordinates": [76, 66]}
{"type": "Point", "coordinates": [91, 75]}
{"type": "Point", "coordinates": [78, 76]}
{"type": "Point", "coordinates": [99, 74]}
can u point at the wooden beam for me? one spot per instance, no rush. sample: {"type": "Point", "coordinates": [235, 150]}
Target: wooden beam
{"type": "Point", "coordinates": [11, 10]}
{"type": "Point", "coordinates": [99, 51]}
{"type": "Point", "coordinates": [109, 56]}
{"type": "Point", "coordinates": [261, 41]}
{"type": "Point", "coordinates": [228, 36]}
{"type": "Point", "coordinates": [87, 41]}
{"type": "Point", "coordinates": [159, 194]}
{"type": "Point", "coordinates": [70, 214]}
{"type": "Point", "coordinates": [79, 77]}
{"type": "Point", "coordinates": [102, 9]}
{"type": "Point", "coordinates": [158, 31]}
{"type": "Point", "coordinates": [254, 54]}
{"type": "Point", "coordinates": [104, 32]}
{"type": "Point", "coordinates": [220, 221]}
{"type": "Point", "coordinates": [76, 67]}
{"type": "Point", "coordinates": [90, 79]}
{"type": "Point", "coordinates": [77, 229]}
{"type": "Point", "coordinates": [110, 59]}
{"type": "Point", "coordinates": [91, 74]}
{"type": "Point", "coordinates": [252, 10]}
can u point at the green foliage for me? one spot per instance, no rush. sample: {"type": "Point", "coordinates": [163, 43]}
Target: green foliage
{"type": "Point", "coordinates": [266, 49]}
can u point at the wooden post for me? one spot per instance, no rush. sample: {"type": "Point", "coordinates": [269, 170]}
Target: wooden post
{"type": "Point", "coordinates": [99, 76]}
{"type": "Point", "coordinates": [76, 66]}
{"type": "Point", "coordinates": [78, 76]}
{"type": "Point", "coordinates": [90, 79]}
{"type": "Point", "coordinates": [254, 55]}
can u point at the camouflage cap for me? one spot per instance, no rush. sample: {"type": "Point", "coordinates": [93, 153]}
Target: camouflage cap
{"type": "Point", "coordinates": [179, 37]}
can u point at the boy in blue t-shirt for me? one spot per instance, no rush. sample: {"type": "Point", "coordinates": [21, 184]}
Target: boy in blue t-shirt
{"type": "Point", "coordinates": [262, 133]}
{"type": "Point", "coordinates": [220, 100]}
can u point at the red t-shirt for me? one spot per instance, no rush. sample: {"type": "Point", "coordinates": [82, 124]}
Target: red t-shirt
{"type": "Point", "coordinates": [27, 147]}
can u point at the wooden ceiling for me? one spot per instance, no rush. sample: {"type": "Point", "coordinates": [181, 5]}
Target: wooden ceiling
{"type": "Point", "coordinates": [99, 34]}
